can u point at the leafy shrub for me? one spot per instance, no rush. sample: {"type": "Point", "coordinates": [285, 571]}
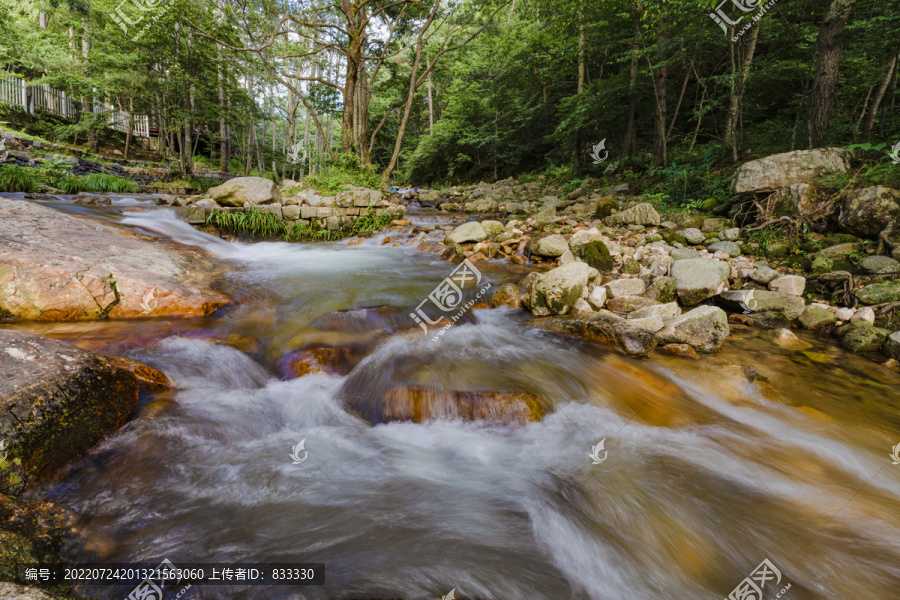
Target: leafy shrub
{"type": "Point", "coordinates": [371, 222]}
{"type": "Point", "coordinates": [344, 169]}
{"type": "Point", "coordinates": [203, 183]}
{"type": "Point", "coordinates": [17, 179]}
{"type": "Point", "coordinates": [97, 182]}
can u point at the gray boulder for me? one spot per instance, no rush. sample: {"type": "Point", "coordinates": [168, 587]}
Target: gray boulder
{"type": "Point", "coordinates": [253, 190]}
{"type": "Point", "coordinates": [879, 265]}
{"type": "Point", "coordinates": [866, 212]}
{"type": "Point", "coordinates": [732, 248]}
{"type": "Point", "coordinates": [684, 253]}
{"type": "Point", "coordinates": [816, 317]}
{"type": "Point", "coordinates": [788, 168]}
{"type": "Point", "coordinates": [641, 214]}
{"type": "Point", "coordinates": [770, 309]}
{"type": "Point", "coordinates": [628, 337]}
{"type": "Point", "coordinates": [618, 288]}
{"type": "Point", "coordinates": [467, 232]}
{"type": "Point", "coordinates": [693, 235]}
{"type": "Point", "coordinates": [703, 328]}
{"type": "Point", "coordinates": [664, 311]}
{"type": "Point", "coordinates": [764, 275]}
{"type": "Point", "coordinates": [891, 346]}
{"type": "Point", "coordinates": [697, 279]}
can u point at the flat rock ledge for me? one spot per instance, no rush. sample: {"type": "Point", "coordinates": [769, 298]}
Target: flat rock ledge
{"type": "Point", "coordinates": [57, 267]}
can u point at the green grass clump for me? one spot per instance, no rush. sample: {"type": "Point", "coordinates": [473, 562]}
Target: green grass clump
{"type": "Point", "coordinates": [17, 179]}
{"type": "Point", "coordinates": [299, 231]}
{"type": "Point", "coordinates": [97, 182]}
{"type": "Point", "coordinates": [252, 222]}
{"type": "Point", "coordinates": [203, 183]}
{"type": "Point", "coordinates": [371, 222]}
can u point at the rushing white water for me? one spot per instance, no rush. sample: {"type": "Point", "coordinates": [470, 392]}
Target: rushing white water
{"type": "Point", "coordinates": [707, 473]}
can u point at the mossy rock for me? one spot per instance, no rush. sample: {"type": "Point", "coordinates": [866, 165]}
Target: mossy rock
{"type": "Point", "coordinates": [672, 237]}
{"type": "Point", "coordinates": [596, 254]}
{"type": "Point", "coordinates": [605, 207]}
{"type": "Point", "coordinates": [631, 266]}
{"type": "Point", "coordinates": [776, 250]}
{"type": "Point", "coordinates": [710, 204]}
{"type": "Point", "coordinates": [653, 237]}
{"type": "Point", "coordinates": [663, 289]}
{"type": "Point", "coordinates": [800, 261]}
{"type": "Point", "coordinates": [833, 239]}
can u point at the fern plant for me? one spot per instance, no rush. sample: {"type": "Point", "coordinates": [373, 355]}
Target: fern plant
{"type": "Point", "coordinates": [17, 179]}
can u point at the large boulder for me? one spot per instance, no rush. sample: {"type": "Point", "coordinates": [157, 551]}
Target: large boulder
{"type": "Point", "coordinates": [641, 214]}
{"type": "Point", "coordinates": [891, 346]}
{"type": "Point", "coordinates": [788, 168]}
{"type": "Point", "coordinates": [56, 401]}
{"type": "Point", "coordinates": [597, 255]}
{"type": "Point", "coordinates": [420, 404]}
{"type": "Point", "coordinates": [879, 265]}
{"type": "Point", "coordinates": [879, 293]}
{"type": "Point", "coordinates": [628, 337]}
{"type": "Point", "coordinates": [467, 232]}
{"type": "Point", "coordinates": [866, 212]}
{"type": "Point", "coordinates": [55, 267]}
{"type": "Point", "coordinates": [703, 328]}
{"type": "Point", "coordinates": [556, 291]}
{"type": "Point", "coordinates": [697, 279]}
{"type": "Point", "coordinates": [253, 190]}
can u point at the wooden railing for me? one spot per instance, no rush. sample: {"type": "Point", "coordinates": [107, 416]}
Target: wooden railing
{"type": "Point", "coordinates": [18, 92]}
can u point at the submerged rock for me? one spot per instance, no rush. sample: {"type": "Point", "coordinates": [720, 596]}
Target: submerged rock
{"type": "Point", "coordinates": [56, 401]}
{"type": "Point", "coordinates": [420, 404]}
{"type": "Point", "coordinates": [57, 267]}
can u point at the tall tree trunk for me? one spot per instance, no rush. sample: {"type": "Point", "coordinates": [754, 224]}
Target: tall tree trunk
{"type": "Point", "coordinates": [630, 141]}
{"type": "Point", "coordinates": [431, 102]}
{"type": "Point", "coordinates": [738, 80]}
{"type": "Point", "coordinates": [223, 129]}
{"type": "Point", "coordinates": [829, 50]}
{"type": "Point", "coordinates": [879, 96]}
{"type": "Point", "coordinates": [659, 90]}
{"type": "Point", "coordinates": [576, 151]}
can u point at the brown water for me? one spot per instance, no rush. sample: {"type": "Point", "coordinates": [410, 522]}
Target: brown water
{"type": "Point", "coordinates": [758, 452]}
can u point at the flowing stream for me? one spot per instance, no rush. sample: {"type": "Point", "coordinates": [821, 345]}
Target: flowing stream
{"type": "Point", "coordinates": [756, 453]}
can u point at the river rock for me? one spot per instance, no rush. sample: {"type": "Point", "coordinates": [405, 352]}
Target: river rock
{"type": "Point", "coordinates": [879, 293]}
{"type": "Point", "coordinates": [581, 306]}
{"type": "Point", "coordinates": [680, 350]}
{"type": "Point", "coordinates": [891, 346]}
{"type": "Point", "coordinates": [816, 317]}
{"type": "Point", "coordinates": [237, 191]}
{"type": "Point", "coordinates": [789, 284]}
{"type": "Point", "coordinates": [703, 328]}
{"type": "Point", "coordinates": [320, 358]}
{"type": "Point", "coordinates": [551, 245]}
{"type": "Point", "coordinates": [420, 404]}
{"type": "Point", "coordinates": [507, 295]}
{"type": "Point", "coordinates": [715, 225]}
{"type": "Point", "coordinates": [693, 235]}
{"type": "Point", "coordinates": [733, 249]}
{"type": "Point", "coordinates": [31, 531]}
{"type": "Point", "coordinates": [606, 327]}
{"type": "Point", "coordinates": [788, 339]}
{"type": "Point", "coordinates": [56, 401]}
{"type": "Point", "coordinates": [865, 338]}
{"type": "Point", "coordinates": [665, 311]}
{"type": "Point", "coordinates": [785, 169]}
{"type": "Point", "coordinates": [771, 309]}
{"type": "Point", "coordinates": [625, 287]}
{"type": "Point", "coordinates": [492, 227]}
{"type": "Point", "coordinates": [764, 275]}
{"type": "Point", "coordinates": [628, 304]}
{"type": "Point", "coordinates": [697, 279]}
{"type": "Point", "coordinates": [55, 266]}
{"type": "Point", "coordinates": [662, 289]}
{"type": "Point", "coordinates": [467, 232]}
{"type": "Point", "coordinates": [863, 314]}
{"type": "Point", "coordinates": [684, 253]}
{"type": "Point", "coordinates": [641, 214]}
{"type": "Point", "coordinates": [556, 291]}
{"type": "Point", "coordinates": [597, 297]}
{"type": "Point", "coordinates": [866, 212]}
{"type": "Point", "coordinates": [879, 265]}
{"type": "Point", "coordinates": [597, 255]}
{"type": "Point", "coordinates": [651, 323]}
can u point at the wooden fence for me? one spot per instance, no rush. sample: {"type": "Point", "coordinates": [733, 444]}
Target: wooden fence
{"type": "Point", "coordinates": [17, 92]}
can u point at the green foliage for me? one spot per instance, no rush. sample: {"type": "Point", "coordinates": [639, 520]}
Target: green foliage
{"type": "Point", "coordinates": [344, 170]}
{"type": "Point", "coordinates": [204, 183]}
{"type": "Point", "coordinates": [252, 222]}
{"type": "Point", "coordinates": [370, 221]}
{"type": "Point", "coordinates": [299, 232]}
{"type": "Point", "coordinates": [97, 182]}
{"type": "Point", "coordinates": [17, 179]}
